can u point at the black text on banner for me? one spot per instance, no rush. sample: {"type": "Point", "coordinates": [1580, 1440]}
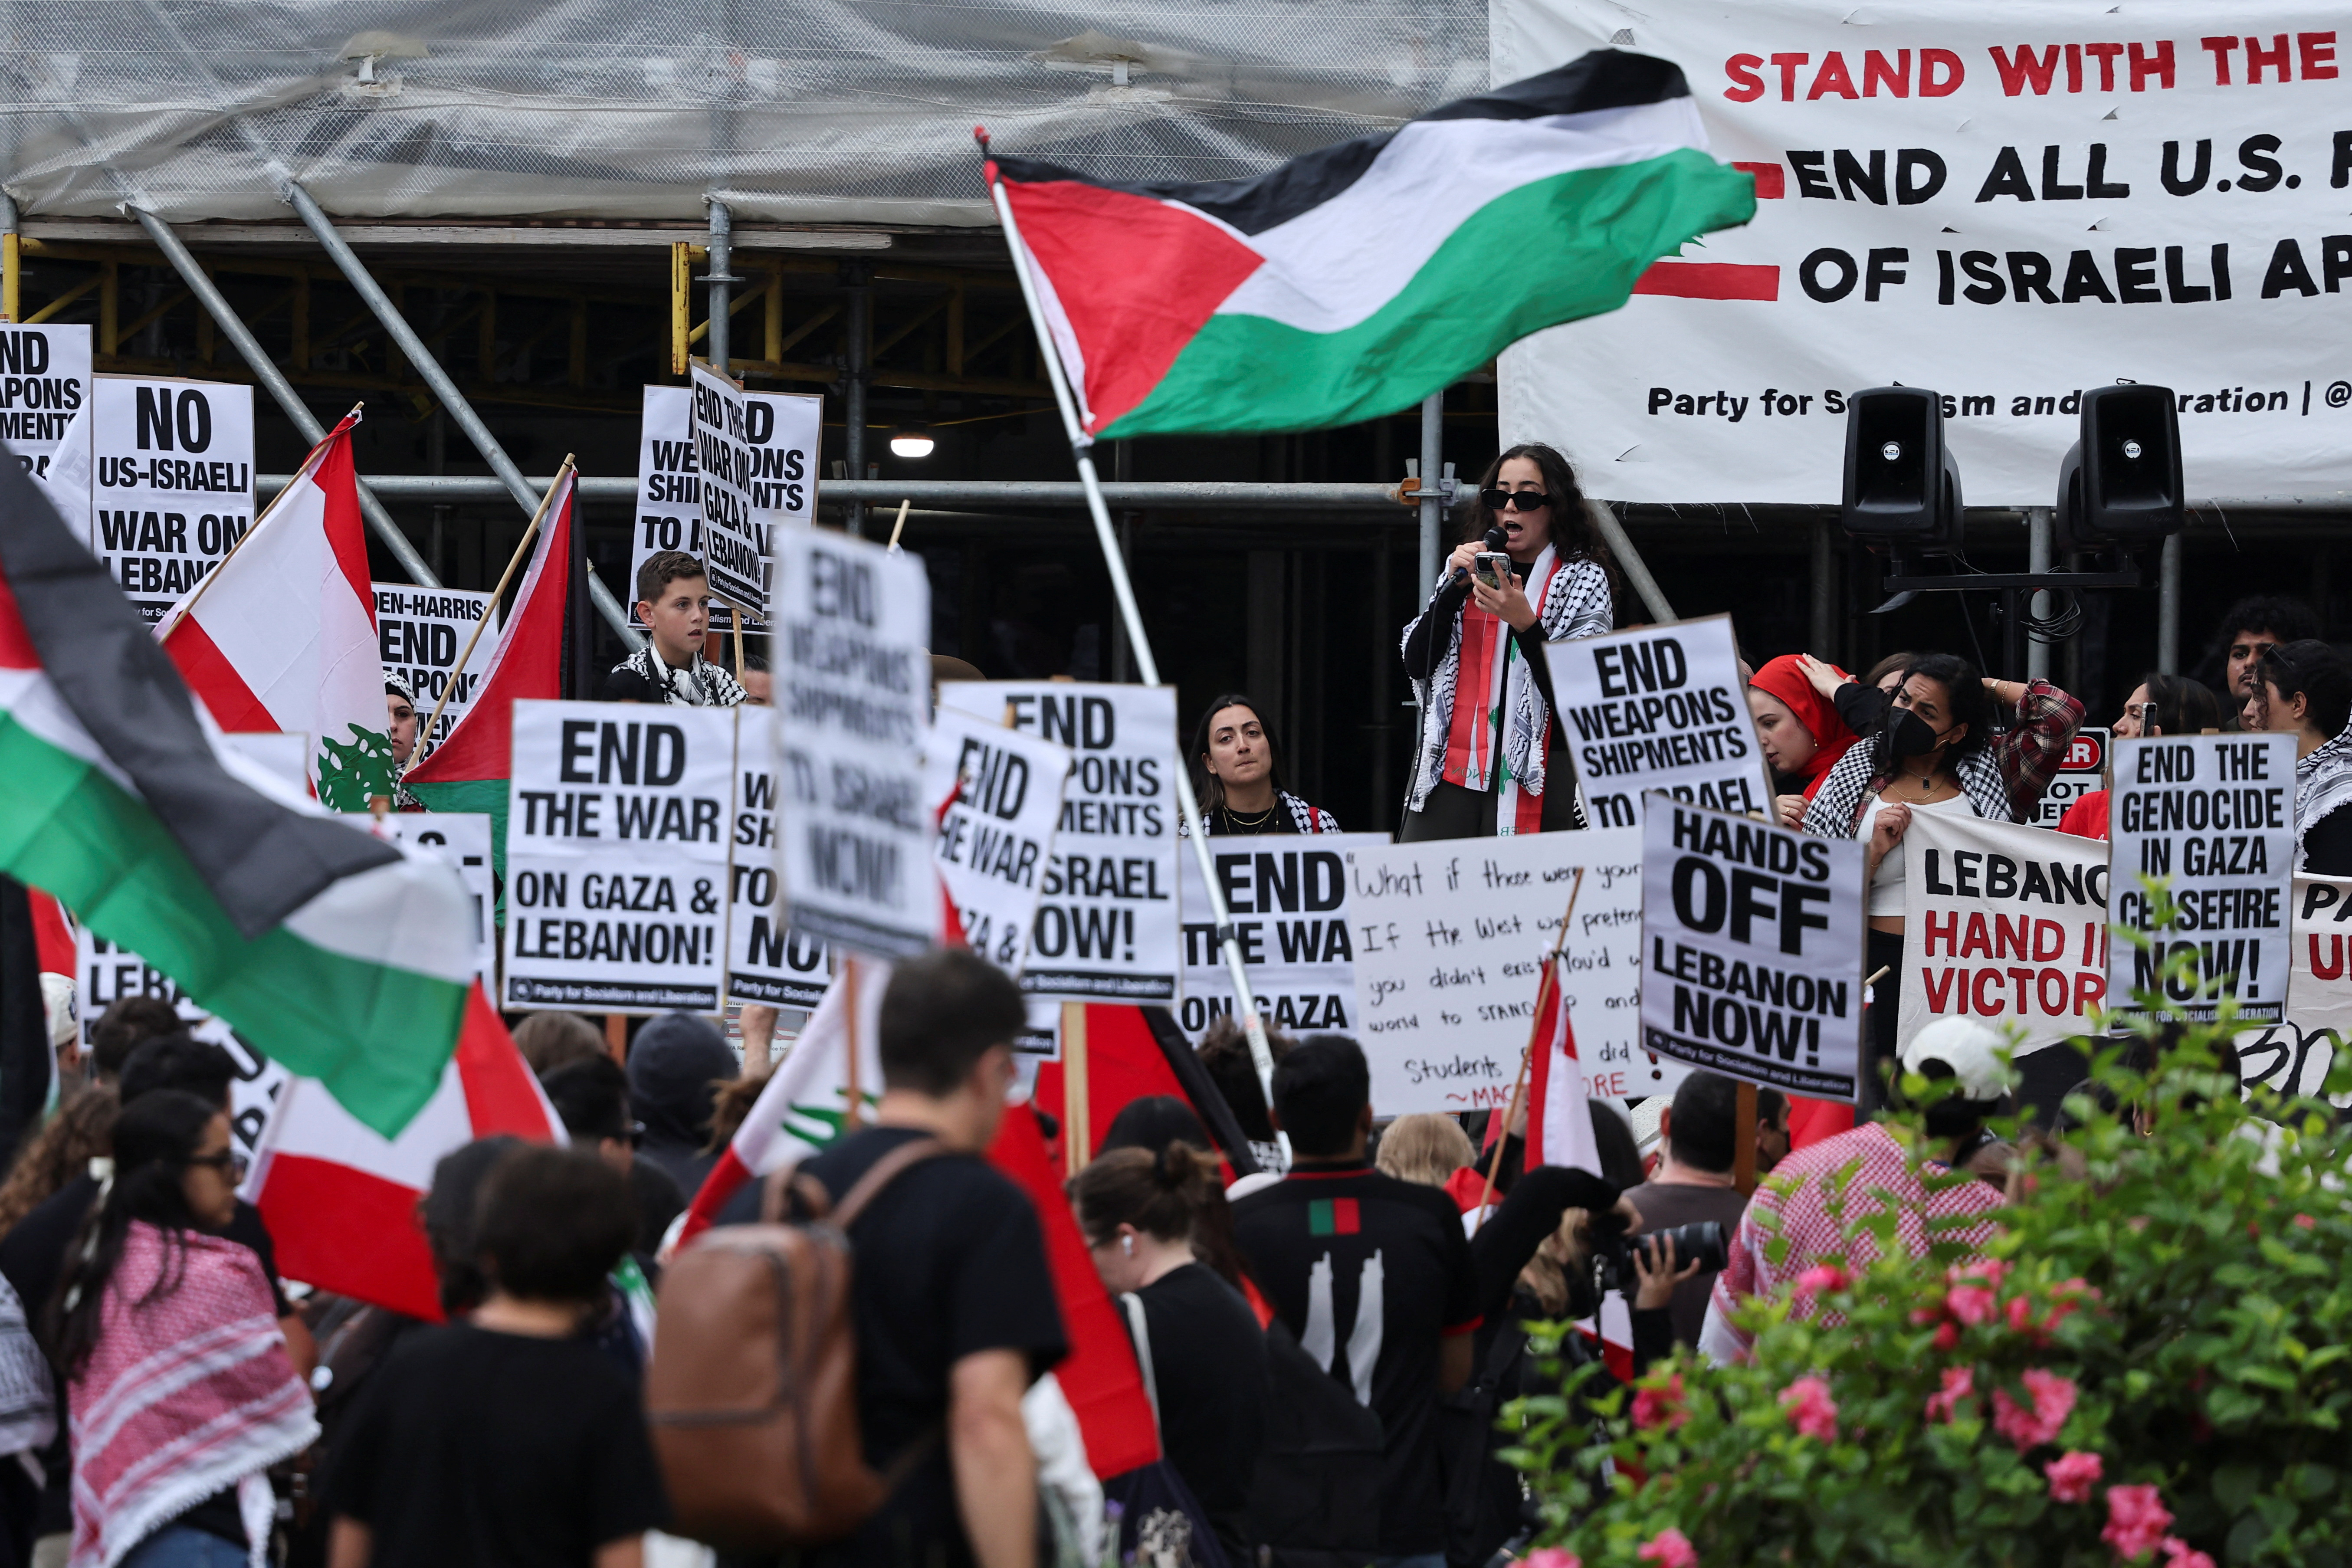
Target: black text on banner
{"type": "Point", "coordinates": [1659, 708]}
{"type": "Point", "coordinates": [997, 794]}
{"type": "Point", "coordinates": [172, 483]}
{"type": "Point", "coordinates": [45, 411]}
{"type": "Point", "coordinates": [767, 960]}
{"type": "Point", "coordinates": [2004, 923]}
{"type": "Point", "coordinates": [420, 632]}
{"type": "Point", "coordinates": [1288, 896]}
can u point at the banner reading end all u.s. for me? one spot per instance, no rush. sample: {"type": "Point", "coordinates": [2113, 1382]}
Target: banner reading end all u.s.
{"type": "Point", "coordinates": [2009, 203]}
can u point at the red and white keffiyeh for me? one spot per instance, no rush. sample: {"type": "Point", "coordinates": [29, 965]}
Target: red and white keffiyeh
{"type": "Point", "coordinates": [187, 1393]}
{"type": "Point", "coordinates": [1798, 1195]}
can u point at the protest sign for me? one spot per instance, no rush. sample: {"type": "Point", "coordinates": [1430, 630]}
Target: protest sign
{"type": "Point", "coordinates": [734, 549]}
{"type": "Point", "coordinates": [2007, 204]}
{"type": "Point", "coordinates": [45, 413]}
{"type": "Point", "coordinates": [1288, 897]}
{"type": "Point", "coordinates": [1662, 707]}
{"type": "Point", "coordinates": [617, 856]}
{"type": "Point", "coordinates": [172, 465]}
{"type": "Point", "coordinates": [998, 796]}
{"type": "Point", "coordinates": [108, 973]}
{"type": "Point", "coordinates": [853, 682]}
{"type": "Point", "coordinates": [2212, 817]}
{"type": "Point", "coordinates": [1751, 934]}
{"type": "Point", "coordinates": [1106, 929]}
{"type": "Point", "coordinates": [2081, 771]}
{"type": "Point", "coordinates": [420, 632]}
{"type": "Point", "coordinates": [781, 433]}
{"type": "Point", "coordinates": [462, 840]}
{"type": "Point", "coordinates": [2004, 924]}
{"type": "Point", "coordinates": [2294, 1056]}
{"type": "Point", "coordinates": [767, 960]}
{"type": "Point", "coordinates": [1450, 940]}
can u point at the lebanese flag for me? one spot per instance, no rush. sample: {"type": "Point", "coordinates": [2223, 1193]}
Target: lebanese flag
{"type": "Point", "coordinates": [1306, 298]}
{"type": "Point", "coordinates": [804, 1109]}
{"type": "Point", "coordinates": [468, 771]}
{"type": "Point", "coordinates": [281, 635]}
{"type": "Point", "coordinates": [340, 1199]}
{"type": "Point", "coordinates": [1560, 1091]}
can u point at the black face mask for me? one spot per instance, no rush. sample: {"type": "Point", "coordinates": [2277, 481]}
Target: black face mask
{"type": "Point", "coordinates": [1910, 735]}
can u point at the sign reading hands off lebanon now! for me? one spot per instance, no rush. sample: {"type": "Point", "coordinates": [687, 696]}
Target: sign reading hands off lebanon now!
{"type": "Point", "coordinates": [2009, 203]}
{"type": "Point", "coordinates": [1450, 939]}
{"type": "Point", "coordinates": [2212, 818]}
{"type": "Point", "coordinates": [2004, 923]}
{"type": "Point", "coordinates": [1661, 708]}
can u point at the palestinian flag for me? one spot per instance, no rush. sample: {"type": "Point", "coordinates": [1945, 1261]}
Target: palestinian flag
{"type": "Point", "coordinates": [342, 957]}
{"type": "Point", "coordinates": [468, 771]}
{"type": "Point", "coordinates": [281, 635]}
{"type": "Point", "coordinates": [1354, 281]}
{"type": "Point", "coordinates": [340, 1198]}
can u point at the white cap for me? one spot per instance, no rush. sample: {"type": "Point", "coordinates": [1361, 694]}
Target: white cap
{"type": "Point", "coordinates": [1257, 1181]}
{"type": "Point", "coordinates": [1968, 1047]}
{"type": "Point", "coordinates": [57, 1004]}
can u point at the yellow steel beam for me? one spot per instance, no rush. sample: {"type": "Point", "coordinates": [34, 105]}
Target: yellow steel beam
{"type": "Point", "coordinates": [63, 301]}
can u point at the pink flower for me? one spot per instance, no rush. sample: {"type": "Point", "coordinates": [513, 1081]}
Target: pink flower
{"type": "Point", "coordinates": [1669, 1549]}
{"type": "Point", "coordinates": [2136, 1521]}
{"type": "Point", "coordinates": [1551, 1557]}
{"type": "Point", "coordinates": [1959, 1382]}
{"type": "Point", "coordinates": [1811, 1409]}
{"type": "Point", "coordinates": [1972, 1304]}
{"type": "Point", "coordinates": [1947, 1336]}
{"type": "Point", "coordinates": [1991, 1270]}
{"type": "Point", "coordinates": [2053, 1401]}
{"type": "Point", "coordinates": [1661, 1406]}
{"type": "Point", "coordinates": [2306, 1222]}
{"type": "Point", "coordinates": [2021, 1314]}
{"type": "Point", "coordinates": [2071, 1475]}
{"type": "Point", "coordinates": [1818, 1277]}
{"type": "Point", "coordinates": [2180, 1555]}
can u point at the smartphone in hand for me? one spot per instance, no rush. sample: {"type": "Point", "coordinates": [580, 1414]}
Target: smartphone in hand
{"type": "Point", "coordinates": [1494, 568]}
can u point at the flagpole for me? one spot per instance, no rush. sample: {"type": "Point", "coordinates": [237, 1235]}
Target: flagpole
{"type": "Point", "coordinates": [1519, 1085]}
{"type": "Point", "coordinates": [521, 553]}
{"type": "Point", "coordinates": [310, 466]}
{"type": "Point", "coordinates": [1138, 642]}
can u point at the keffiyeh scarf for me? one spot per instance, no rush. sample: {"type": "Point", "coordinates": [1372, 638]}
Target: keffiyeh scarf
{"type": "Point", "coordinates": [701, 684]}
{"type": "Point", "coordinates": [1845, 792]}
{"type": "Point", "coordinates": [2323, 784]}
{"type": "Point", "coordinates": [28, 1409]}
{"type": "Point", "coordinates": [188, 1393]}
{"type": "Point", "coordinates": [1571, 601]}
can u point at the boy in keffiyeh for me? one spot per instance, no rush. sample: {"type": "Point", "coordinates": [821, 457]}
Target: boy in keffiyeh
{"type": "Point", "coordinates": [674, 601]}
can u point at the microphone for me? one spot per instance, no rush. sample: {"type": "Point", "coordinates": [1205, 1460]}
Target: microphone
{"type": "Point", "coordinates": [1494, 541]}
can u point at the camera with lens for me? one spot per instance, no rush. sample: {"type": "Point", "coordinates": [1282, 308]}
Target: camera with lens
{"type": "Point", "coordinates": [1700, 1242]}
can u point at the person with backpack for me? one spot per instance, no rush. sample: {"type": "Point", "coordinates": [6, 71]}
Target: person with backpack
{"type": "Point", "coordinates": [950, 1299]}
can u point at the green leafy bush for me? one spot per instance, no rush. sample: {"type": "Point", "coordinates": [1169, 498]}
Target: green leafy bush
{"type": "Point", "coordinates": [2148, 1364]}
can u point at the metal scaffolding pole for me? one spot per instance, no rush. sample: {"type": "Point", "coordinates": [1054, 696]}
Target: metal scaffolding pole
{"type": "Point", "coordinates": [2168, 608]}
{"type": "Point", "coordinates": [1629, 561]}
{"type": "Point", "coordinates": [265, 370]}
{"type": "Point", "coordinates": [1433, 458]}
{"type": "Point", "coordinates": [356, 274]}
{"type": "Point", "coordinates": [722, 281]}
{"type": "Point", "coordinates": [1354, 501]}
{"type": "Point", "coordinates": [857, 280]}
{"type": "Point", "coordinates": [1820, 642]}
{"type": "Point", "coordinates": [2037, 559]}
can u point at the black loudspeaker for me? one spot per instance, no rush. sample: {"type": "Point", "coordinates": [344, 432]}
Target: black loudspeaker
{"type": "Point", "coordinates": [2120, 483]}
{"type": "Point", "coordinates": [1902, 485]}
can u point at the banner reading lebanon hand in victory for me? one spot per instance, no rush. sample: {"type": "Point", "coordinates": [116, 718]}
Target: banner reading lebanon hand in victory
{"type": "Point", "coordinates": [2008, 203]}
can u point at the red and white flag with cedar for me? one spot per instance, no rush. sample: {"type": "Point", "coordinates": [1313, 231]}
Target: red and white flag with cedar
{"type": "Point", "coordinates": [281, 635]}
{"type": "Point", "coordinates": [1559, 1090]}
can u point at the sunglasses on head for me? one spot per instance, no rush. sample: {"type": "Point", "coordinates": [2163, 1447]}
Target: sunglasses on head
{"type": "Point", "coordinates": [1516, 501]}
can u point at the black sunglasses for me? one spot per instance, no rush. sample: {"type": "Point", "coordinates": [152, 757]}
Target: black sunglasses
{"type": "Point", "coordinates": [1516, 501]}
{"type": "Point", "coordinates": [228, 1162]}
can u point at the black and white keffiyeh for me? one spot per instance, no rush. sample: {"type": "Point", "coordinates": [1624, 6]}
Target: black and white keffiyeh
{"type": "Point", "coordinates": [2322, 785]}
{"type": "Point", "coordinates": [1576, 604]}
{"type": "Point", "coordinates": [1838, 805]}
{"type": "Point", "coordinates": [701, 684]}
{"type": "Point", "coordinates": [28, 1410]}
{"type": "Point", "coordinates": [1307, 818]}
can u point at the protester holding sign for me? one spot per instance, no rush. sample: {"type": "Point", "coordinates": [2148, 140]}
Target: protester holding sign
{"type": "Point", "coordinates": [674, 603]}
{"type": "Point", "coordinates": [2159, 705]}
{"type": "Point", "coordinates": [1487, 742]}
{"type": "Point", "coordinates": [1237, 773]}
{"type": "Point", "coordinates": [2306, 690]}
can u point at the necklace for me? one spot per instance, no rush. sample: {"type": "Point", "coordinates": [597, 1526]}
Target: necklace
{"type": "Point", "coordinates": [1925, 783]}
{"type": "Point", "coordinates": [1260, 820]}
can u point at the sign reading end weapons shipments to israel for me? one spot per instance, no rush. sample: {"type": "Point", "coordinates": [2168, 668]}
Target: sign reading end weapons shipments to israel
{"type": "Point", "coordinates": [44, 401]}
{"type": "Point", "coordinates": [617, 856]}
{"type": "Point", "coordinates": [2212, 817]}
{"type": "Point", "coordinates": [1659, 708]}
{"type": "Point", "coordinates": [852, 691]}
{"type": "Point", "coordinates": [1752, 949]}
{"type": "Point", "coordinates": [1106, 917]}
{"type": "Point", "coordinates": [173, 490]}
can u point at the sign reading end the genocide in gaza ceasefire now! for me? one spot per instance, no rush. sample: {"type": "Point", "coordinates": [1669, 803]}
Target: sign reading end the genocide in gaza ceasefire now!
{"type": "Point", "coordinates": [1752, 949]}
{"type": "Point", "coordinates": [617, 856]}
{"type": "Point", "coordinates": [2212, 818]}
{"type": "Point", "coordinates": [1659, 708]}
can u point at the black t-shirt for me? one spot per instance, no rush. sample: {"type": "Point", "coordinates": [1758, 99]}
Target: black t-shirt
{"type": "Point", "coordinates": [950, 1261]}
{"type": "Point", "coordinates": [1664, 1205]}
{"type": "Point", "coordinates": [471, 1447]}
{"type": "Point", "coordinates": [33, 1260]}
{"type": "Point", "coordinates": [1370, 1273]}
{"type": "Point", "coordinates": [1208, 1362]}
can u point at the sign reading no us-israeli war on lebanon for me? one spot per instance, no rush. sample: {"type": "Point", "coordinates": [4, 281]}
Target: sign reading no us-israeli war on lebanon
{"type": "Point", "coordinates": [617, 856]}
{"type": "Point", "coordinates": [2003, 922]}
{"type": "Point", "coordinates": [2009, 203]}
{"type": "Point", "coordinates": [997, 793]}
{"type": "Point", "coordinates": [852, 684]}
{"type": "Point", "coordinates": [1752, 949]}
{"type": "Point", "coordinates": [45, 409]}
{"type": "Point", "coordinates": [767, 960]}
{"type": "Point", "coordinates": [1659, 708]}
{"type": "Point", "coordinates": [1288, 897]}
{"type": "Point", "coordinates": [2212, 818]}
{"type": "Point", "coordinates": [172, 465]}
{"type": "Point", "coordinates": [1107, 916]}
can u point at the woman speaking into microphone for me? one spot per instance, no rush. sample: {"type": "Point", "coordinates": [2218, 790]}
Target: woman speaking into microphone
{"type": "Point", "coordinates": [1531, 571]}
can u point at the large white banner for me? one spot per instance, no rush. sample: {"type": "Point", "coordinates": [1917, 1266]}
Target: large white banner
{"type": "Point", "coordinates": [174, 482]}
{"type": "Point", "coordinates": [420, 632]}
{"type": "Point", "coordinates": [2294, 1055]}
{"type": "Point", "coordinates": [1659, 707]}
{"type": "Point", "coordinates": [2007, 203]}
{"type": "Point", "coordinates": [1288, 896]}
{"type": "Point", "coordinates": [45, 411]}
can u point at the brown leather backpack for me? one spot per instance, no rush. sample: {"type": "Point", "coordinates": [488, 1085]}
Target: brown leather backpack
{"type": "Point", "coordinates": [752, 1391]}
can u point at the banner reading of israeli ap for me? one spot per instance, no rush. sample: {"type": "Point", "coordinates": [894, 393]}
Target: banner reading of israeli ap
{"type": "Point", "coordinates": [2008, 205]}
{"type": "Point", "coordinates": [852, 694]}
{"type": "Point", "coordinates": [1752, 949]}
{"type": "Point", "coordinates": [997, 794]}
{"type": "Point", "coordinates": [2211, 817]}
{"type": "Point", "coordinates": [1659, 708]}
{"type": "Point", "coordinates": [2002, 922]}
{"type": "Point", "coordinates": [1107, 919]}
{"type": "Point", "coordinates": [617, 856]}
{"type": "Point", "coordinates": [1286, 895]}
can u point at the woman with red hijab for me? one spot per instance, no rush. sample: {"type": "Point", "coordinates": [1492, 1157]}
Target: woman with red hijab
{"type": "Point", "coordinates": [1801, 733]}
